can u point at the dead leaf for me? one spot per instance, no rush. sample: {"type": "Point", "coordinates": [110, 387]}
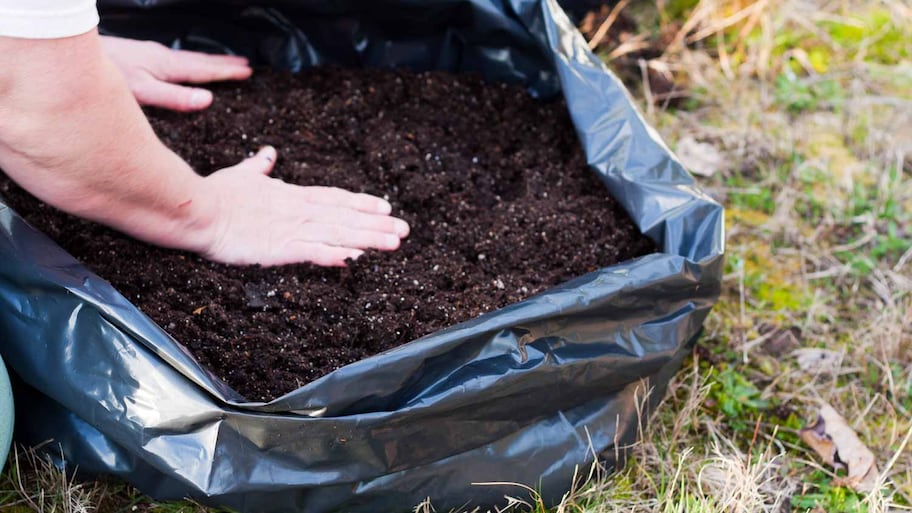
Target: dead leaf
{"type": "Point", "coordinates": [783, 341]}
{"type": "Point", "coordinates": [816, 361]}
{"type": "Point", "coordinates": [700, 158]}
{"type": "Point", "coordinates": [200, 309]}
{"type": "Point", "coordinates": [817, 438]}
{"type": "Point", "coordinates": [832, 438]}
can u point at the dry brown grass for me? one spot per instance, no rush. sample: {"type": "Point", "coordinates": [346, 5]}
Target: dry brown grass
{"type": "Point", "coordinates": [43, 488]}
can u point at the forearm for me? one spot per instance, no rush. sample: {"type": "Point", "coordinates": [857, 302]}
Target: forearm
{"type": "Point", "coordinates": [72, 135]}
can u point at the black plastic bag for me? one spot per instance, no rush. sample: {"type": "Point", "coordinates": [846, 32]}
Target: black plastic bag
{"type": "Point", "coordinates": [524, 394]}
{"type": "Point", "coordinates": [577, 9]}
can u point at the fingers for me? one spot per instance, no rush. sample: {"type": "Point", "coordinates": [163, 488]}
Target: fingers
{"type": "Point", "coordinates": [316, 253]}
{"type": "Point", "coordinates": [348, 237]}
{"type": "Point", "coordinates": [334, 196]}
{"type": "Point", "coordinates": [198, 68]}
{"type": "Point", "coordinates": [156, 93]}
{"type": "Point", "coordinates": [380, 223]}
{"type": "Point", "coordinates": [350, 218]}
{"type": "Point", "coordinates": [327, 236]}
{"type": "Point", "coordinates": [149, 68]}
{"type": "Point", "coordinates": [337, 217]}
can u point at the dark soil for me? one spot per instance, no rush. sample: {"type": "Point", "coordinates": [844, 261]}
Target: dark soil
{"type": "Point", "coordinates": [493, 183]}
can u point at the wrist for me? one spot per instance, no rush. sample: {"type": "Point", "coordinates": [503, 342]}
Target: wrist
{"type": "Point", "coordinates": [196, 218]}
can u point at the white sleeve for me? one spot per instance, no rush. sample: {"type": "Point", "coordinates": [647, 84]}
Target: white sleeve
{"type": "Point", "coordinates": [47, 19]}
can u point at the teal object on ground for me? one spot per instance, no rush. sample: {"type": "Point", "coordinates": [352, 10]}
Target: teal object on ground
{"type": "Point", "coordinates": [6, 414]}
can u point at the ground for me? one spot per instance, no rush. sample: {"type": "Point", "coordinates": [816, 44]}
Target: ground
{"type": "Point", "coordinates": [798, 116]}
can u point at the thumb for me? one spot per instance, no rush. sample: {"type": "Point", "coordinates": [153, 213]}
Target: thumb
{"type": "Point", "coordinates": [262, 162]}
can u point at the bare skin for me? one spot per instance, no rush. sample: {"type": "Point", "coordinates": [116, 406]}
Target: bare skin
{"type": "Point", "coordinates": [154, 72]}
{"type": "Point", "coordinates": [72, 134]}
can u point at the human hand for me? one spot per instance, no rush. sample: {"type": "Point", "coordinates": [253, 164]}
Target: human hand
{"type": "Point", "coordinates": [153, 70]}
{"type": "Point", "coordinates": [250, 218]}
{"type": "Point", "coordinates": [121, 175]}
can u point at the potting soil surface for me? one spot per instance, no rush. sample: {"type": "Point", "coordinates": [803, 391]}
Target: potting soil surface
{"type": "Point", "coordinates": [494, 185]}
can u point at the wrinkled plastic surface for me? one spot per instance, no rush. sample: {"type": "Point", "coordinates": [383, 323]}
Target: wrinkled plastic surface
{"type": "Point", "coordinates": [6, 414]}
{"type": "Point", "coordinates": [524, 394]}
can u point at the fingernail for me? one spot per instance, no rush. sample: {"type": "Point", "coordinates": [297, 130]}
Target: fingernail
{"type": "Point", "coordinates": [402, 228]}
{"type": "Point", "coordinates": [384, 207]}
{"type": "Point", "coordinates": [200, 97]}
{"type": "Point", "coordinates": [268, 153]}
{"type": "Point", "coordinates": [391, 241]}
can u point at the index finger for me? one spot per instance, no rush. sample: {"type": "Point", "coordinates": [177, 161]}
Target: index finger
{"type": "Point", "coordinates": [197, 67]}
{"type": "Point", "coordinates": [335, 196]}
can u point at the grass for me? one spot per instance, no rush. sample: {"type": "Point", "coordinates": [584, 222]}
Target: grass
{"type": "Point", "coordinates": [808, 104]}
{"type": "Point", "coordinates": [33, 483]}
